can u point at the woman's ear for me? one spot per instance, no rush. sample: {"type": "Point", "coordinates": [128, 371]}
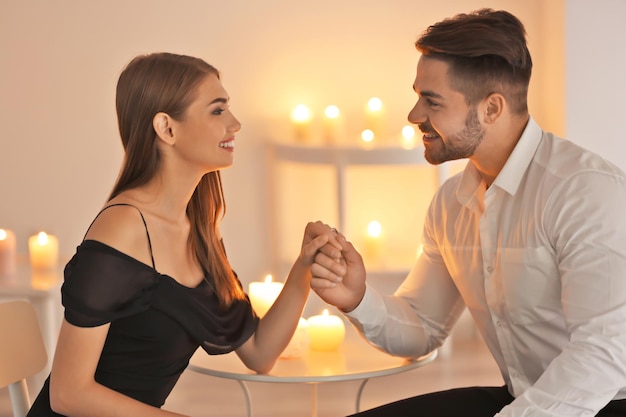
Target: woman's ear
{"type": "Point", "coordinates": [162, 123]}
{"type": "Point", "coordinates": [494, 106]}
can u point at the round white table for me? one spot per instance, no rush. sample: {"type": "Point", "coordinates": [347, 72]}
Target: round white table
{"type": "Point", "coordinates": [354, 360]}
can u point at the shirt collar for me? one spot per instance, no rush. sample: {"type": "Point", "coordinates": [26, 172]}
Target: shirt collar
{"type": "Point", "coordinates": [511, 174]}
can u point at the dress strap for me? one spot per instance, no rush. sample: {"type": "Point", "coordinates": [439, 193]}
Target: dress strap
{"type": "Point", "coordinates": [145, 225]}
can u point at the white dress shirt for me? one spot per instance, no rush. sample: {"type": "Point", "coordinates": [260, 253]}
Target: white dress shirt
{"type": "Point", "coordinates": [539, 259]}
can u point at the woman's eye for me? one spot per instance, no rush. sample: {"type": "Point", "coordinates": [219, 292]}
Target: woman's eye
{"type": "Point", "coordinates": [218, 112]}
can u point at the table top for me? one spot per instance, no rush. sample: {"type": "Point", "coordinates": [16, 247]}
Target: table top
{"type": "Point", "coordinates": [354, 360]}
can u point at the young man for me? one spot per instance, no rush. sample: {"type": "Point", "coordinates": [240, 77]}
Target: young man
{"type": "Point", "coordinates": [531, 238]}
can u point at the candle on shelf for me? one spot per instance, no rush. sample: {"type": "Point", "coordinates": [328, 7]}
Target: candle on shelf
{"type": "Point", "coordinates": [367, 136]}
{"type": "Point", "coordinates": [299, 343]}
{"type": "Point", "coordinates": [301, 120]}
{"type": "Point", "coordinates": [373, 244]}
{"type": "Point", "coordinates": [374, 117]}
{"type": "Point", "coordinates": [408, 137]}
{"type": "Point", "coordinates": [8, 254]}
{"type": "Point", "coordinates": [326, 332]}
{"type": "Point", "coordinates": [332, 127]}
{"type": "Point", "coordinates": [44, 251]}
{"type": "Point", "coordinates": [263, 294]}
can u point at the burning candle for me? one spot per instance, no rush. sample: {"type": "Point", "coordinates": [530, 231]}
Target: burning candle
{"type": "Point", "coordinates": [326, 332]}
{"type": "Point", "coordinates": [332, 124]}
{"type": "Point", "coordinates": [301, 119]}
{"type": "Point", "coordinates": [299, 342]}
{"type": "Point", "coordinates": [367, 136]}
{"type": "Point", "coordinates": [372, 247]}
{"type": "Point", "coordinates": [44, 251]}
{"type": "Point", "coordinates": [408, 137]}
{"type": "Point", "coordinates": [8, 253]}
{"type": "Point", "coordinates": [374, 117]}
{"type": "Point", "coordinates": [263, 294]}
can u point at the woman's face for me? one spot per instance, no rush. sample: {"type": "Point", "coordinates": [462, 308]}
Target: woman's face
{"type": "Point", "coordinates": [205, 136]}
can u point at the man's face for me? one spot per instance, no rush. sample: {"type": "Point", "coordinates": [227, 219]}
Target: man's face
{"type": "Point", "coordinates": [451, 128]}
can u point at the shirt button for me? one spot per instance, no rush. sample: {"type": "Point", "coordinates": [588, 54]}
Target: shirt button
{"type": "Point", "coordinates": [490, 269]}
{"type": "Point", "coordinates": [514, 374]}
{"type": "Point", "coordinates": [498, 323]}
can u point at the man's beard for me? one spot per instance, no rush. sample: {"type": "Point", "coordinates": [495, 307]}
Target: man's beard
{"type": "Point", "coordinates": [459, 146]}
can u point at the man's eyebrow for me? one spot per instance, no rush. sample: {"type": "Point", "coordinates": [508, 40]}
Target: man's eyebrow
{"type": "Point", "coordinates": [430, 94]}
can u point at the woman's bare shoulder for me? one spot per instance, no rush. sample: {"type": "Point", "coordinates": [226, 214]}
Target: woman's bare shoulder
{"type": "Point", "coordinates": [121, 226]}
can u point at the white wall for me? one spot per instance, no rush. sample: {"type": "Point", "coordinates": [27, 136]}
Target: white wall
{"type": "Point", "coordinates": [596, 76]}
{"type": "Point", "coordinates": [59, 62]}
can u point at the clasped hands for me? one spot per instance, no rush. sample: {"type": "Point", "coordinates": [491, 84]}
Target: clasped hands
{"type": "Point", "coordinates": [338, 272]}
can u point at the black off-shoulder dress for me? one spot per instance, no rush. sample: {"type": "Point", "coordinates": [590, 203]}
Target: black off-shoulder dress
{"type": "Point", "coordinates": [156, 323]}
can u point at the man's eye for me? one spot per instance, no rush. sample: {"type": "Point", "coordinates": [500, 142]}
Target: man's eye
{"type": "Point", "coordinates": [432, 103]}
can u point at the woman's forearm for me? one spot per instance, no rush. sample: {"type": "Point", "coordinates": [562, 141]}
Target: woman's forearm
{"type": "Point", "coordinates": [95, 400]}
{"type": "Point", "coordinates": [280, 322]}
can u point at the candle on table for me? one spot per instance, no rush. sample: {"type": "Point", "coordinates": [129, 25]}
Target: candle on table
{"type": "Point", "coordinates": [301, 119]}
{"type": "Point", "coordinates": [326, 332]}
{"type": "Point", "coordinates": [8, 253]}
{"type": "Point", "coordinates": [44, 251]}
{"type": "Point", "coordinates": [299, 343]}
{"type": "Point", "coordinates": [263, 294]}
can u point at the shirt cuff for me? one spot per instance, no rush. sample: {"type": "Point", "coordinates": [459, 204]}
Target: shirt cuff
{"type": "Point", "coordinates": [368, 312]}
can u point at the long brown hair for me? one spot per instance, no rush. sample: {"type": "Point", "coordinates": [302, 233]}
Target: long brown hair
{"type": "Point", "coordinates": [487, 53]}
{"type": "Point", "coordinates": [164, 82]}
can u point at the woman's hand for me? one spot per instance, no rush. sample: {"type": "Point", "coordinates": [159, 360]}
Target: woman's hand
{"type": "Point", "coordinates": [320, 237]}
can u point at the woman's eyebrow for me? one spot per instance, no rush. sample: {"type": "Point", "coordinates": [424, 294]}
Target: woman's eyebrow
{"type": "Point", "coordinates": [219, 100]}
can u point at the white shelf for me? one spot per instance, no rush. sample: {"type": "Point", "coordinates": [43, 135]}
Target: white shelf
{"type": "Point", "coordinates": [343, 156]}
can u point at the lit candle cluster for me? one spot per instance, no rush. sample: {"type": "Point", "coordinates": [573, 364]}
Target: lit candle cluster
{"type": "Point", "coordinates": [323, 332]}
{"type": "Point", "coordinates": [43, 251]}
{"type": "Point", "coordinates": [333, 125]}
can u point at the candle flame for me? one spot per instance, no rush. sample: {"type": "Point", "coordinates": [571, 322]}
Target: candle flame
{"type": "Point", "coordinates": [268, 278]}
{"type": "Point", "coordinates": [42, 238]}
{"type": "Point", "coordinates": [375, 104]}
{"type": "Point", "coordinates": [332, 112]}
{"type": "Point", "coordinates": [3, 234]}
{"type": "Point", "coordinates": [301, 113]}
{"type": "Point", "coordinates": [367, 135]}
{"type": "Point", "coordinates": [325, 312]}
{"type": "Point", "coordinates": [374, 229]}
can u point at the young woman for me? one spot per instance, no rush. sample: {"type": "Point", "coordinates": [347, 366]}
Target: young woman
{"type": "Point", "coordinates": [151, 283]}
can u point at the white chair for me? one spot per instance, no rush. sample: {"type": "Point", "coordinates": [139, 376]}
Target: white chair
{"type": "Point", "coordinates": [22, 351]}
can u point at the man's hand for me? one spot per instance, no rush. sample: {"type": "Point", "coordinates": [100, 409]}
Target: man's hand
{"type": "Point", "coordinates": [339, 281]}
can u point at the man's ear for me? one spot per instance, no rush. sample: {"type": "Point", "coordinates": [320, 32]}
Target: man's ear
{"type": "Point", "coordinates": [162, 124]}
{"type": "Point", "coordinates": [493, 107]}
